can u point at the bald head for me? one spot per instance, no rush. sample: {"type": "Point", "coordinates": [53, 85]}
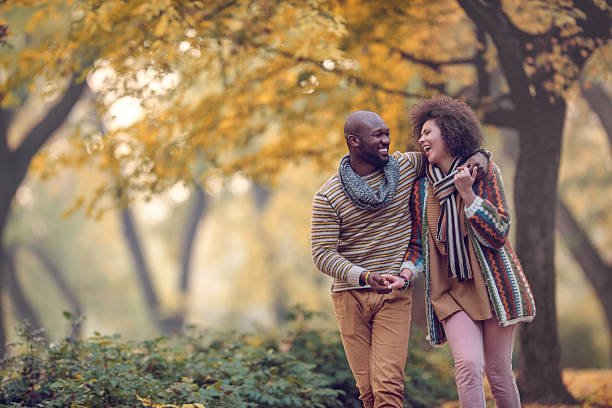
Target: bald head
{"type": "Point", "coordinates": [359, 121]}
{"type": "Point", "coordinates": [367, 139]}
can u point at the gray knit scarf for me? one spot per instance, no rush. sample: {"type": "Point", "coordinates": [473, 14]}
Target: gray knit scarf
{"type": "Point", "coordinates": [360, 192]}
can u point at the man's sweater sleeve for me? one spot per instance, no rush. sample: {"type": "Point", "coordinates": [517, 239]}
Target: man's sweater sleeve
{"type": "Point", "coordinates": [418, 161]}
{"type": "Point", "coordinates": [324, 236]}
{"type": "Point", "coordinates": [420, 164]}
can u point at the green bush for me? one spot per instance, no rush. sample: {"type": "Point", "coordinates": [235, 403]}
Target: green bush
{"type": "Point", "coordinates": [297, 366]}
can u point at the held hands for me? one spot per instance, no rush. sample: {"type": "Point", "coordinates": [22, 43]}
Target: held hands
{"type": "Point", "coordinates": [385, 283]}
{"type": "Point", "coordinates": [380, 283]}
{"type": "Point", "coordinates": [397, 282]}
{"type": "Point", "coordinates": [464, 179]}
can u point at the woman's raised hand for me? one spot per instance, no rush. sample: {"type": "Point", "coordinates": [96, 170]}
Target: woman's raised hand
{"type": "Point", "coordinates": [464, 179]}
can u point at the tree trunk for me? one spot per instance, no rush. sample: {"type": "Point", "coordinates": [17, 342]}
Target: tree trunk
{"type": "Point", "coordinates": [598, 272]}
{"type": "Point", "coordinates": [23, 307]}
{"type": "Point", "coordinates": [14, 164]}
{"type": "Point", "coordinates": [166, 324]}
{"type": "Point", "coordinates": [57, 276]}
{"type": "Point", "coordinates": [6, 197]}
{"type": "Point", "coordinates": [280, 306]}
{"type": "Point", "coordinates": [193, 222]}
{"type": "Point", "coordinates": [535, 199]}
{"type": "Point", "coordinates": [2, 314]}
{"type": "Point", "coordinates": [4, 209]}
{"type": "Point", "coordinates": [142, 269]}
{"type": "Point", "coordinates": [191, 229]}
{"type": "Point", "coordinates": [594, 267]}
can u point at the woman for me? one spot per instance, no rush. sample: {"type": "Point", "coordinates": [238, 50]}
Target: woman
{"type": "Point", "coordinates": [475, 288]}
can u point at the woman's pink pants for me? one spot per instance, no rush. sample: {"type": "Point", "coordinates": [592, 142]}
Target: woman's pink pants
{"type": "Point", "coordinates": [482, 347]}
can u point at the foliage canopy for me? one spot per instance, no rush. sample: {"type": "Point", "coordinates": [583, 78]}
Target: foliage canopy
{"type": "Point", "coordinates": [186, 89]}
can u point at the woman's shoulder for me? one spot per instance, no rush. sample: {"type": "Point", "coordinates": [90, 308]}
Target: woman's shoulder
{"type": "Point", "coordinates": [495, 171]}
{"type": "Point", "coordinates": [491, 183]}
{"type": "Point", "coordinates": [492, 173]}
{"type": "Point", "coordinates": [493, 165]}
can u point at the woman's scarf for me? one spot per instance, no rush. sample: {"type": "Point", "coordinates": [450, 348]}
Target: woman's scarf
{"type": "Point", "coordinates": [448, 222]}
{"type": "Point", "coordinates": [360, 192]}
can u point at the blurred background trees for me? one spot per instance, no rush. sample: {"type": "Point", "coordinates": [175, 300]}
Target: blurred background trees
{"type": "Point", "coordinates": [195, 133]}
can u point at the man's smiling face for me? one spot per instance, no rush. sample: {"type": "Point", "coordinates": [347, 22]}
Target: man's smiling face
{"type": "Point", "coordinates": [375, 140]}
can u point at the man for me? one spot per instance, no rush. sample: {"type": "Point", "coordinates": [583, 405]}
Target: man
{"type": "Point", "coordinates": [360, 231]}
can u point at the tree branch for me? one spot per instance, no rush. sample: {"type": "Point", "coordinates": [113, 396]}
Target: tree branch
{"type": "Point", "coordinates": [373, 85]}
{"type": "Point", "coordinates": [582, 248]}
{"type": "Point", "coordinates": [436, 87]}
{"type": "Point", "coordinates": [354, 78]}
{"type": "Point", "coordinates": [433, 64]}
{"type": "Point", "coordinates": [54, 118]}
{"type": "Point", "coordinates": [501, 117]}
{"type": "Point", "coordinates": [481, 89]}
{"type": "Point", "coordinates": [482, 75]}
{"type": "Point", "coordinates": [593, 28]}
{"type": "Point", "coordinates": [600, 103]}
{"type": "Point", "coordinates": [489, 17]}
{"type": "Point", "coordinates": [595, 25]}
{"type": "Point", "coordinates": [219, 9]}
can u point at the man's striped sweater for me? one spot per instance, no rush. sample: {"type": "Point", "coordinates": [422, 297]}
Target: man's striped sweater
{"type": "Point", "coordinates": [488, 222]}
{"type": "Point", "coordinates": [347, 240]}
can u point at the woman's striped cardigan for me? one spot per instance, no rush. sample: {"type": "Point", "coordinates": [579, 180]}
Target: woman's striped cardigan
{"type": "Point", "coordinates": [488, 226]}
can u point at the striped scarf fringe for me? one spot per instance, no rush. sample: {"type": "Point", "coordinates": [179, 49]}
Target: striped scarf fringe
{"type": "Point", "coordinates": [448, 222]}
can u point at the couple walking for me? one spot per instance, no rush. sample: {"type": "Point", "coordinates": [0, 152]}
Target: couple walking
{"type": "Point", "coordinates": [383, 219]}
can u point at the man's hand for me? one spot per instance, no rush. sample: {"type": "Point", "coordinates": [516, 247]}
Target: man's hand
{"type": "Point", "coordinates": [397, 282]}
{"type": "Point", "coordinates": [480, 161]}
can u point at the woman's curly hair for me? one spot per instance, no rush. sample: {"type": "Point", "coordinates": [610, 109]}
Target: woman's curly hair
{"type": "Point", "coordinates": [457, 122]}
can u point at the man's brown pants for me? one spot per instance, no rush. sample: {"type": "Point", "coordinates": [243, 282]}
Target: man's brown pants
{"type": "Point", "coordinates": [375, 330]}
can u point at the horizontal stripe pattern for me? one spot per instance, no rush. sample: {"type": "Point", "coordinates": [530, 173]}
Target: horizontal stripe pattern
{"type": "Point", "coordinates": [347, 240]}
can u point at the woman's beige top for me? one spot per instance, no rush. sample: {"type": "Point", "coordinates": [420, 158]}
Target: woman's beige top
{"type": "Point", "coordinates": [448, 295]}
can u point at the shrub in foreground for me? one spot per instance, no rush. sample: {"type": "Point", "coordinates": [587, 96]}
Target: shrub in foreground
{"type": "Point", "coordinates": [297, 366]}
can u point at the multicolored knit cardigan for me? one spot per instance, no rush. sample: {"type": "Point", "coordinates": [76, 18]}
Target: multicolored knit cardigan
{"type": "Point", "coordinates": [488, 222]}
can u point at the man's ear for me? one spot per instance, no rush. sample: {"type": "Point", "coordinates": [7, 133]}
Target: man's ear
{"type": "Point", "coordinates": [353, 140]}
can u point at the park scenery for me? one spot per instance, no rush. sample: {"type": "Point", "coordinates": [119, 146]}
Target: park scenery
{"type": "Point", "coordinates": [158, 161]}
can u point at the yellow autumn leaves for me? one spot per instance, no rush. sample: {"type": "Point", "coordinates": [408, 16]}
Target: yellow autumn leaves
{"type": "Point", "coordinates": [256, 84]}
{"type": "Point", "coordinates": [146, 402]}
